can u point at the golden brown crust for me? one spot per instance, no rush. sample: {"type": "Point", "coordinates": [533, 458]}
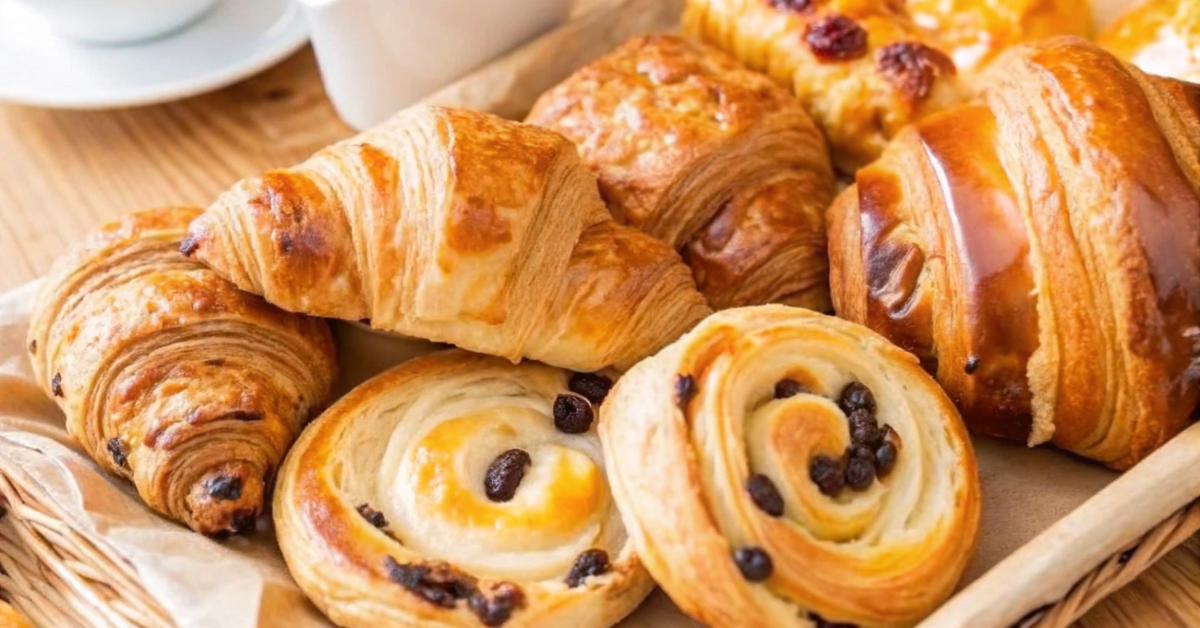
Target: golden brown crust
{"type": "Point", "coordinates": [1159, 36]}
{"type": "Point", "coordinates": [862, 68]}
{"type": "Point", "coordinates": [383, 501]}
{"type": "Point", "coordinates": [445, 224]}
{"type": "Point", "coordinates": [172, 377]}
{"type": "Point", "coordinates": [10, 618]}
{"type": "Point", "coordinates": [1039, 252]}
{"type": "Point", "coordinates": [687, 431]}
{"type": "Point", "coordinates": [692, 148]}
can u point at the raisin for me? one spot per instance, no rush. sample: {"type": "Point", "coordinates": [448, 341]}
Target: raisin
{"type": "Point", "coordinates": [972, 365]}
{"type": "Point", "coordinates": [885, 459]}
{"type": "Point", "coordinates": [56, 385]}
{"type": "Point", "coordinates": [754, 564]}
{"type": "Point", "coordinates": [912, 67]}
{"type": "Point", "coordinates": [117, 449]}
{"type": "Point", "coordinates": [685, 389]}
{"type": "Point", "coordinates": [439, 585]}
{"type": "Point", "coordinates": [189, 245]}
{"type": "Point", "coordinates": [573, 414]}
{"type": "Point", "coordinates": [496, 609]}
{"type": "Point", "coordinates": [836, 37]}
{"type": "Point", "coordinates": [789, 388]}
{"type": "Point", "coordinates": [860, 474]}
{"type": "Point", "coordinates": [827, 474]}
{"type": "Point", "coordinates": [505, 473]}
{"type": "Point", "coordinates": [224, 488]}
{"type": "Point", "coordinates": [373, 517]}
{"type": "Point", "coordinates": [856, 396]}
{"type": "Point", "coordinates": [765, 495]}
{"type": "Point", "coordinates": [593, 562]}
{"type": "Point", "coordinates": [592, 386]}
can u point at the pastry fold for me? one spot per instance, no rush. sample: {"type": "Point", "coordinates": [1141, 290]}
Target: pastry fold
{"type": "Point", "coordinates": [862, 68]}
{"type": "Point", "coordinates": [459, 490]}
{"type": "Point", "coordinates": [459, 227]}
{"type": "Point", "coordinates": [1159, 36]}
{"type": "Point", "coordinates": [172, 377]}
{"type": "Point", "coordinates": [1040, 252]}
{"type": "Point", "coordinates": [718, 161]}
{"type": "Point", "coordinates": [777, 467]}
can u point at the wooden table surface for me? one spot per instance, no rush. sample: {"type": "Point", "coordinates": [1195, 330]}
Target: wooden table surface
{"type": "Point", "coordinates": [63, 173]}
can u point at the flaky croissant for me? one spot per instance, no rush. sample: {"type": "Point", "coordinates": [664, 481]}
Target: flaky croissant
{"type": "Point", "coordinates": [694, 149]}
{"type": "Point", "coordinates": [459, 227]}
{"type": "Point", "coordinates": [779, 468]}
{"type": "Point", "coordinates": [1040, 252]}
{"type": "Point", "coordinates": [459, 490]}
{"type": "Point", "coordinates": [1159, 36]}
{"type": "Point", "coordinates": [172, 377]}
{"type": "Point", "coordinates": [862, 68]}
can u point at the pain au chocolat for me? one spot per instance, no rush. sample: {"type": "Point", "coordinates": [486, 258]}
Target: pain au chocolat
{"type": "Point", "coordinates": [1039, 251]}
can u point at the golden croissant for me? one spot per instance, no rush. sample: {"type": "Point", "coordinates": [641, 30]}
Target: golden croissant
{"type": "Point", "coordinates": [694, 149]}
{"type": "Point", "coordinates": [780, 468]}
{"type": "Point", "coordinates": [172, 377]}
{"type": "Point", "coordinates": [1040, 252]}
{"type": "Point", "coordinates": [1159, 36]}
{"type": "Point", "coordinates": [862, 68]}
{"type": "Point", "coordinates": [459, 227]}
{"type": "Point", "coordinates": [459, 490]}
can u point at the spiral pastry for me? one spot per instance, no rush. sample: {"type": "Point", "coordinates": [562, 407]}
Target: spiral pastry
{"type": "Point", "coordinates": [778, 467]}
{"type": "Point", "coordinates": [459, 490]}
{"type": "Point", "coordinates": [173, 378]}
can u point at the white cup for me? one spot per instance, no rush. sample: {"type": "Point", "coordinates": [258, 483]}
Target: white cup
{"type": "Point", "coordinates": [379, 56]}
{"type": "Point", "coordinates": [117, 21]}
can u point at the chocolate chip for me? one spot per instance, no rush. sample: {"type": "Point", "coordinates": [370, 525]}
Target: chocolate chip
{"type": "Point", "coordinates": [224, 488]}
{"type": "Point", "coordinates": [373, 517]}
{"type": "Point", "coordinates": [685, 389]}
{"type": "Point", "coordinates": [836, 37]}
{"type": "Point", "coordinates": [56, 385]}
{"type": "Point", "coordinates": [856, 396]}
{"type": "Point", "coordinates": [439, 585]}
{"type": "Point", "coordinates": [244, 521]}
{"type": "Point", "coordinates": [754, 564]}
{"type": "Point", "coordinates": [827, 474]}
{"type": "Point", "coordinates": [821, 622]}
{"type": "Point", "coordinates": [33, 346]}
{"type": "Point", "coordinates": [505, 473]}
{"type": "Point", "coordinates": [117, 449]}
{"type": "Point", "coordinates": [573, 414]}
{"type": "Point", "coordinates": [764, 494]}
{"type": "Point", "coordinates": [496, 609]}
{"type": "Point", "coordinates": [860, 474]}
{"type": "Point", "coordinates": [189, 246]}
{"type": "Point", "coordinates": [789, 388]}
{"type": "Point", "coordinates": [285, 242]}
{"type": "Point", "coordinates": [593, 386]}
{"type": "Point", "coordinates": [593, 562]}
{"type": "Point", "coordinates": [972, 364]}
{"type": "Point", "coordinates": [885, 459]}
{"type": "Point", "coordinates": [795, 6]}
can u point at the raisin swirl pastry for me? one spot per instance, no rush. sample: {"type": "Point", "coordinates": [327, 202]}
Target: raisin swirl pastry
{"type": "Point", "coordinates": [1159, 36]}
{"type": "Point", "coordinates": [862, 68]}
{"type": "Point", "coordinates": [777, 467]}
{"type": "Point", "coordinates": [172, 377]}
{"type": "Point", "coordinates": [1040, 252]}
{"type": "Point", "coordinates": [459, 227]}
{"type": "Point", "coordinates": [459, 490]}
{"type": "Point", "coordinates": [694, 149]}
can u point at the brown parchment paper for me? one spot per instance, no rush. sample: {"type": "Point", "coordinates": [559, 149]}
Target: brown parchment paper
{"type": "Point", "coordinates": [243, 583]}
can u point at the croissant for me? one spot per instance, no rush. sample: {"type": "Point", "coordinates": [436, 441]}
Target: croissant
{"type": "Point", "coordinates": [777, 467]}
{"type": "Point", "coordinates": [862, 68]}
{"type": "Point", "coordinates": [459, 227]}
{"type": "Point", "coordinates": [10, 618]}
{"type": "Point", "coordinates": [717, 160]}
{"type": "Point", "coordinates": [975, 32]}
{"type": "Point", "coordinates": [1039, 251]}
{"type": "Point", "coordinates": [171, 377]}
{"type": "Point", "coordinates": [1159, 36]}
{"type": "Point", "coordinates": [459, 490]}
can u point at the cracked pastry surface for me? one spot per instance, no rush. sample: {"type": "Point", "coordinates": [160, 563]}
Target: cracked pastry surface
{"type": "Point", "coordinates": [170, 376]}
{"type": "Point", "coordinates": [778, 467]}
{"type": "Point", "coordinates": [1039, 252]}
{"type": "Point", "coordinates": [459, 490]}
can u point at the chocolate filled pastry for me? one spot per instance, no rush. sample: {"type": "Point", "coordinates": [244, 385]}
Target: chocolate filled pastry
{"type": "Point", "coordinates": [862, 68]}
{"type": "Point", "coordinates": [975, 32]}
{"type": "Point", "coordinates": [173, 378]}
{"type": "Point", "coordinates": [782, 468]}
{"type": "Point", "coordinates": [459, 490]}
{"type": "Point", "coordinates": [1159, 36]}
{"type": "Point", "coordinates": [459, 227]}
{"type": "Point", "coordinates": [1039, 252]}
{"type": "Point", "coordinates": [718, 161]}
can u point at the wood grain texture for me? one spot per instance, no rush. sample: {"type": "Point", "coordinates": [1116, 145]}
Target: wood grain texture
{"type": "Point", "coordinates": [64, 173]}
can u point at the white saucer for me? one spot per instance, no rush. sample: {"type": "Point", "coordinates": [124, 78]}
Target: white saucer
{"type": "Point", "coordinates": [234, 40]}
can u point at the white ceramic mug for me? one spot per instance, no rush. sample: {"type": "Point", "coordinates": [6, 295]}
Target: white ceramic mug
{"type": "Point", "coordinates": [117, 21]}
{"type": "Point", "coordinates": [378, 56]}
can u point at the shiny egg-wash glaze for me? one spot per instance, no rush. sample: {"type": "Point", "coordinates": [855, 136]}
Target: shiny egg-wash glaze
{"type": "Point", "coordinates": [693, 148]}
{"type": "Point", "coordinates": [172, 377]}
{"type": "Point", "coordinates": [1040, 252]}
{"type": "Point", "coordinates": [460, 227]}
